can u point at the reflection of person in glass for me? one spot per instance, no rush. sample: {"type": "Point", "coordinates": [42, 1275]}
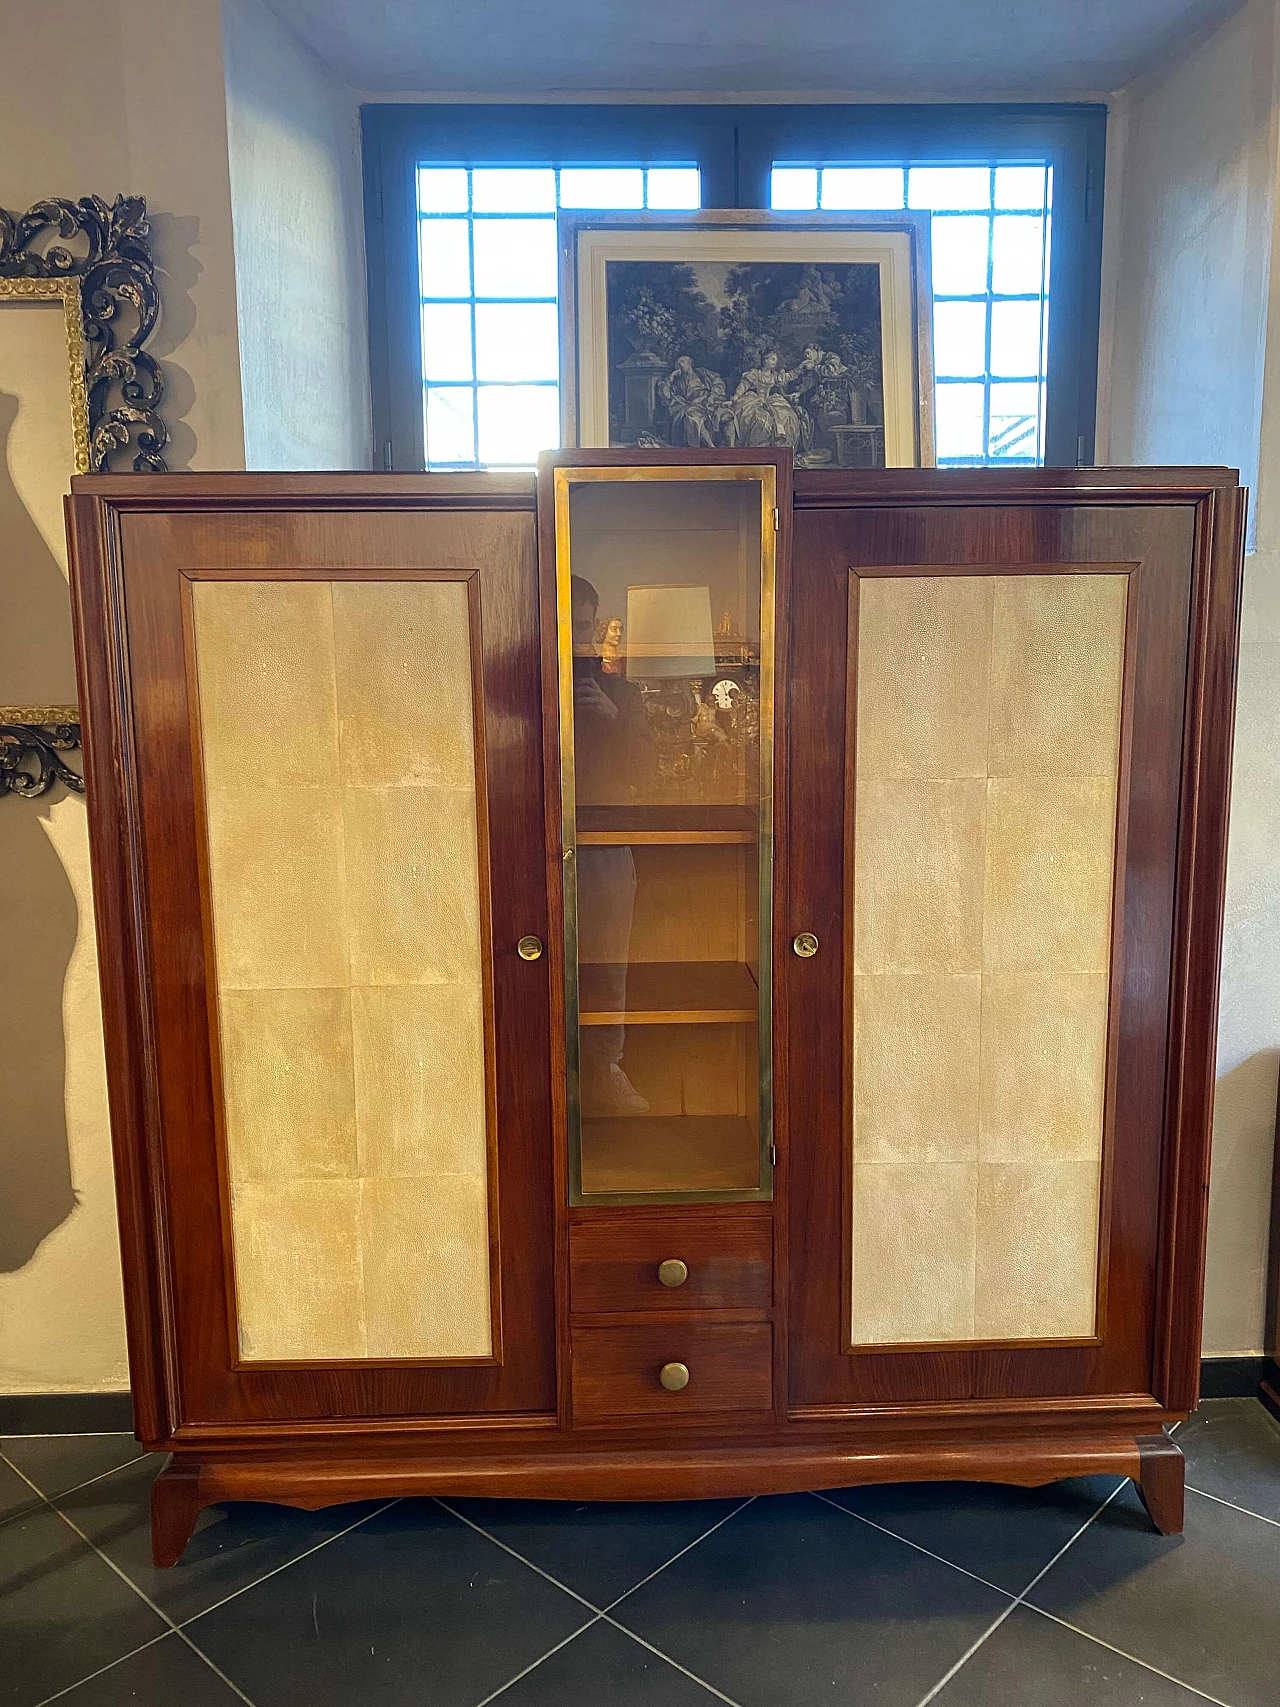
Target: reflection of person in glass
{"type": "Point", "coordinates": [613, 762]}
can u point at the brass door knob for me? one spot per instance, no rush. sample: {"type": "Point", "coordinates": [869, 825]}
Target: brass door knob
{"type": "Point", "coordinates": [673, 1272]}
{"type": "Point", "coordinates": [805, 945]}
{"type": "Point", "coordinates": [529, 948]}
{"type": "Point", "coordinates": [674, 1376]}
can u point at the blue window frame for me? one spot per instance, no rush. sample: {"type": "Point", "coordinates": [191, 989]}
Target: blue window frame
{"type": "Point", "coordinates": [461, 260]}
{"type": "Point", "coordinates": [487, 274]}
{"type": "Point", "coordinates": [991, 238]}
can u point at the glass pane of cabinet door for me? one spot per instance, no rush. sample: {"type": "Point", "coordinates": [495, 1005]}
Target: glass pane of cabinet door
{"type": "Point", "coordinates": [665, 589]}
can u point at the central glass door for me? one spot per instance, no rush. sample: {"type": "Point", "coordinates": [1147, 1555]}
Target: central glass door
{"type": "Point", "coordinates": [665, 589]}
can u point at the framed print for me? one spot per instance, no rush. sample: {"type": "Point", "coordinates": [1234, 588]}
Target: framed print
{"type": "Point", "coordinates": [737, 328]}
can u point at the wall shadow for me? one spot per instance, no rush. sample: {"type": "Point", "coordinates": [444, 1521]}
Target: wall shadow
{"type": "Point", "coordinates": [37, 657]}
{"type": "Point", "coordinates": [38, 920]}
{"type": "Point", "coordinates": [174, 238]}
{"type": "Point", "coordinates": [38, 912]}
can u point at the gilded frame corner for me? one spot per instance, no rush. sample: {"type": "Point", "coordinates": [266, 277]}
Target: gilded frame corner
{"type": "Point", "coordinates": [107, 286]}
{"type": "Point", "coordinates": [68, 291]}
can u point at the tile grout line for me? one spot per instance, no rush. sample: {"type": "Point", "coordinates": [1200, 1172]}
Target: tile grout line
{"type": "Point", "coordinates": [145, 1598]}
{"type": "Point", "coordinates": [601, 1615]}
{"type": "Point", "coordinates": [296, 1559]}
{"type": "Point", "coordinates": [555, 1581]}
{"type": "Point", "coordinates": [1075, 1629]}
{"type": "Point", "coordinates": [674, 1664]}
{"type": "Point", "coordinates": [534, 1664]}
{"type": "Point", "coordinates": [894, 1536]}
{"type": "Point", "coordinates": [177, 1629]}
{"type": "Point", "coordinates": [110, 1666]}
{"type": "Point", "coordinates": [1013, 1606]}
{"type": "Point", "coordinates": [680, 1555]}
{"type": "Point", "coordinates": [66, 1492]}
{"type": "Point", "coordinates": [546, 1575]}
{"type": "Point", "coordinates": [967, 1655]}
{"type": "Point", "coordinates": [1244, 1510]}
{"type": "Point", "coordinates": [1124, 1654]}
{"type": "Point", "coordinates": [180, 1625]}
{"type": "Point", "coordinates": [100, 1477]}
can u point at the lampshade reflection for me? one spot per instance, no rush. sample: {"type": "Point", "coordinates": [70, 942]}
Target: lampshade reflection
{"type": "Point", "coordinates": [669, 632]}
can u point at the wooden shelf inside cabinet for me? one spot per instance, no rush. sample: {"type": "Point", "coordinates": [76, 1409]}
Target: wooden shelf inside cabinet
{"type": "Point", "coordinates": [614, 826]}
{"type": "Point", "coordinates": [669, 992]}
{"type": "Point", "coordinates": [670, 1152]}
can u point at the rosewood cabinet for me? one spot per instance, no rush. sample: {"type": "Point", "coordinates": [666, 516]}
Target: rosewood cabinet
{"type": "Point", "coordinates": [661, 981]}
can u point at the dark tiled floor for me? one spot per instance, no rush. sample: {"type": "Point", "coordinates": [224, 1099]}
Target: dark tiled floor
{"type": "Point", "coordinates": [965, 1595]}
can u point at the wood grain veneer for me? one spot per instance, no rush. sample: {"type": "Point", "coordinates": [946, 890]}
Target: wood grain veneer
{"type": "Point", "coordinates": [616, 1369]}
{"type": "Point", "coordinates": [806, 1411]}
{"type": "Point", "coordinates": [614, 1258]}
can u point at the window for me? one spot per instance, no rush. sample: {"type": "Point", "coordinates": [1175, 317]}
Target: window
{"type": "Point", "coordinates": [991, 234]}
{"type": "Point", "coordinates": [487, 274]}
{"type": "Point", "coordinates": [460, 213]}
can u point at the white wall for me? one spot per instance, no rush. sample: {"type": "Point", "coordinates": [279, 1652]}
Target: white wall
{"type": "Point", "coordinates": [61, 1306]}
{"type": "Point", "coordinates": [128, 96]}
{"type": "Point", "coordinates": [129, 99]}
{"type": "Point", "coordinates": [135, 99]}
{"type": "Point", "coordinates": [294, 138]}
{"type": "Point", "coordinates": [1195, 378]}
{"type": "Point", "coordinates": [1195, 232]}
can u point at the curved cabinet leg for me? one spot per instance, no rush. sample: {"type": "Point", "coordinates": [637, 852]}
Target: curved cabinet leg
{"type": "Point", "coordinates": [1161, 1470]}
{"type": "Point", "coordinates": [175, 1505]}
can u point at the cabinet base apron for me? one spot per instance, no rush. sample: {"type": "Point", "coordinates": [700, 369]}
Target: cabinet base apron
{"type": "Point", "coordinates": [188, 1484]}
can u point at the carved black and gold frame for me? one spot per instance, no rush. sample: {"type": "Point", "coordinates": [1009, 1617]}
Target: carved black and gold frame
{"type": "Point", "coordinates": [97, 260]}
{"type": "Point", "coordinates": [32, 740]}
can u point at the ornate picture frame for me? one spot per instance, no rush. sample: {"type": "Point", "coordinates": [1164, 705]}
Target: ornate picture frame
{"type": "Point", "coordinates": [738, 327]}
{"type": "Point", "coordinates": [96, 259]}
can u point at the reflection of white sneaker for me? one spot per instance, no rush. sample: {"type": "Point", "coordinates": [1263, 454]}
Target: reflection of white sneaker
{"type": "Point", "coordinates": [613, 1092]}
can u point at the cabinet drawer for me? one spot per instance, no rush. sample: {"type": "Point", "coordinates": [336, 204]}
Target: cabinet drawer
{"type": "Point", "coordinates": [614, 1262]}
{"type": "Point", "coordinates": [617, 1372]}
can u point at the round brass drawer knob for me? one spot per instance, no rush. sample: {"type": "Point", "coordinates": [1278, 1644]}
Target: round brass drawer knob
{"type": "Point", "coordinates": [805, 945]}
{"type": "Point", "coordinates": [673, 1272]}
{"type": "Point", "coordinates": [529, 948]}
{"type": "Point", "coordinates": [674, 1376]}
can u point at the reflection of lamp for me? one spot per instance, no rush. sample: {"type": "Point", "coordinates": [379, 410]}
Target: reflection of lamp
{"type": "Point", "coordinates": [669, 632]}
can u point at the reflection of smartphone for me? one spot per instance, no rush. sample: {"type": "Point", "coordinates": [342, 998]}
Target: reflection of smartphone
{"type": "Point", "coordinates": [582, 668]}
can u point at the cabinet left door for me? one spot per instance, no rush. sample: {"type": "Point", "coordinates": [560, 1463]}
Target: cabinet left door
{"type": "Point", "coordinates": [314, 738]}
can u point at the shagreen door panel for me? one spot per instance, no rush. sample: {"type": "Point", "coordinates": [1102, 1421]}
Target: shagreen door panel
{"type": "Point", "coordinates": [338, 745]}
{"type": "Point", "coordinates": [985, 739]}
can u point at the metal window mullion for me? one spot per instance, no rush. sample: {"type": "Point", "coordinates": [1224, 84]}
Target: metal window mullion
{"type": "Point", "coordinates": [504, 301]}
{"type": "Point", "coordinates": [462, 384]}
{"type": "Point", "coordinates": [990, 302]}
{"type": "Point", "coordinates": [1042, 361]}
{"type": "Point", "coordinates": [475, 371]}
{"type": "Point", "coordinates": [460, 213]}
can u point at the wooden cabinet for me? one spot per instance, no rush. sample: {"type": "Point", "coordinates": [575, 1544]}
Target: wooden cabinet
{"type": "Point", "coordinates": [652, 983]}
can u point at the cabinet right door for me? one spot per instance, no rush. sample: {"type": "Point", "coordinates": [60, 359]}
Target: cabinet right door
{"type": "Point", "coordinates": [987, 715]}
